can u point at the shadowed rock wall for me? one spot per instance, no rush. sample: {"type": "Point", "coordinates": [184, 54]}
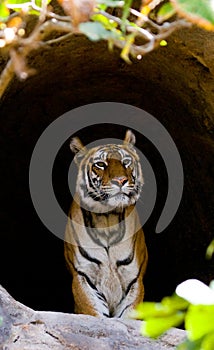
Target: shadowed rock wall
{"type": "Point", "coordinates": [175, 84]}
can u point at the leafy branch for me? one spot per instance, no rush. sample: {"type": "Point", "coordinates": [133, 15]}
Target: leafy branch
{"type": "Point", "coordinates": [136, 31]}
{"type": "Point", "coordinates": [192, 304]}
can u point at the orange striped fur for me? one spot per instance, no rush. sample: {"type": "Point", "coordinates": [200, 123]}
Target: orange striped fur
{"type": "Point", "coordinates": [105, 249]}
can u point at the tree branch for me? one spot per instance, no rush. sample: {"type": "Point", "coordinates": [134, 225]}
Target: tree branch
{"type": "Point", "coordinates": [48, 22]}
{"type": "Point", "coordinates": [6, 77]}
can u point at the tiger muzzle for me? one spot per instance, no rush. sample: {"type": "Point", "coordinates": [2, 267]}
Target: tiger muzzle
{"type": "Point", "coordinates": [119, 181]}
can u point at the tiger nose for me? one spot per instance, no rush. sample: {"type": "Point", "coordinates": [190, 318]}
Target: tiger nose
{"type": "Point", "coordinates": [119, 181]}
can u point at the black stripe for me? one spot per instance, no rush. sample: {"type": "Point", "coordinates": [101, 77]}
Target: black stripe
{"type": "Point", "coordinates": [88, 257]}
{"type": "Point", "coordinates": [82, 251]}
{"type": "Point", "coordinates": [136, 278]}
{"type": "Point", "coordinates": [126, 261]}
{"type": "Point", "coordinates": [91, 183]}
{"type": "Point", "coordinates": [85, 190]}
{"type": "Point", "coordinates": [87, 217]}
{"type": "Point", "coordinates": [126, 293]}
{"type": "Point", "coordinates": [129, 259]}
{"type": "Point", "coordinates": [90, 283]}
{"type": "Point", "coordinates": [93, 232]}
{"type": "Point", "coordinates": [93, 194]}
{"type": "Point", "coordinates": [131, 284]}
{"type": "Point", "coordinates": [92, 191]}
{"type": "Point", "coordinates": [124, 310]}
{"type": "Point", "coordinates": [90, 227]}
{"type": "Point", "coordinates": [100, 295]}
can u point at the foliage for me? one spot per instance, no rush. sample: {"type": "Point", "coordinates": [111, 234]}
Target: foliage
{"type": "Point", "coordinates": [210, 250]}
{"type": "Point", "coordinates": [134, 28]}
{"type": "Point", "coordinates": [192, 304]}
{"type": "Point", "coordinates": [159, 317]}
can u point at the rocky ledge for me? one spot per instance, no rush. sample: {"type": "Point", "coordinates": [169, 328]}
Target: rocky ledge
{"type": "Point", "coordinates": [26, 329]}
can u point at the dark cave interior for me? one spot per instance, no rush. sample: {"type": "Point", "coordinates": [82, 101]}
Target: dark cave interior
{"type": "Point", "coordinates": [31, 258]}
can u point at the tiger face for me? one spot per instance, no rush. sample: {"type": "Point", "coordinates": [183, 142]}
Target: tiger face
{"type": "Point", "coordinates": [109, 176]}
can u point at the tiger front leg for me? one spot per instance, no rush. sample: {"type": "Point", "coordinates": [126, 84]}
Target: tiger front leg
{"type": "Point", "coordinates": [134, 296]}
{"type": "Point", "coordinates": [87, 299]}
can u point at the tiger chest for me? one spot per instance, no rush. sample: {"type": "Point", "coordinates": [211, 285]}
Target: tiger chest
{"type": "Point", "coordinates": [114, 274]}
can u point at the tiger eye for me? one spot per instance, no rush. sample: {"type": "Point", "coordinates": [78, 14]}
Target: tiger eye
{"type": "Point", "coordinates": [127, 162]}
{"type": "Point", "coordinates": [100, 165]}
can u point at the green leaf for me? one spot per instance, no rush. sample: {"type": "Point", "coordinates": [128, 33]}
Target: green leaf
{"type": "Point", "coordinates": [165, 12]}
{"type": "Point", "coordinates": [190, 345]}
{"type": "Point", "coordinates": [95, 31]}
{"type": "Point", "coordinates": [210, 250]}
{"type": "Point", "coordinates": [110, 25]}
{"type": "Point", "coordinates": [126, 11]}
{"type": "Point", "coordinates": [199, 321]}
{"type": "Point", "coordinates": [4, 12]}
{"type": "Point", "coordinates": [39, 2]}
{"type": "Point", "coordinates": [149, 309]}
{"type": "Point", "coordinates": [101, 7]}
{"type": "Point", "coordinates": [167, 307]}
{"type": "Point", "coordinates": [175, 302]}
{"type": "Point", "coordinates": [203, 343]}
{"type": "Point", "coordinates": [154, 327]}
{"type": "Point", "coordinates": [111, 3]}
{"type": "Point", "coordinates": [200, 12]}
{"type": "Point", "coordinates": [18, 2]}
{"type": "Point", "coordinates": [17, 5]}
{"type": "Point", "coordinates": [208, 342]}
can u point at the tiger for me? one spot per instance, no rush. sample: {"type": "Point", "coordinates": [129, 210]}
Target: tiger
{"type": "Point", "coordinates": [105, 249]}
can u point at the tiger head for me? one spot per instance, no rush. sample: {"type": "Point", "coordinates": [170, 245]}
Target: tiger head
{"type": "Point", "coordinates": [109, 176]}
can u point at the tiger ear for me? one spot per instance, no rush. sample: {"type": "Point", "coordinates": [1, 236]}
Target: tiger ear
{"type": "Point", "coordinates": [129, 138]}
{"type": "Point", "coordinates": [78, 149]}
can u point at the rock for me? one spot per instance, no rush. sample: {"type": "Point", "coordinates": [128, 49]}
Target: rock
{"type": "Point", "coordinates": [11, 312]}
{"type": "Point", "coordinates": [26, 329]}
